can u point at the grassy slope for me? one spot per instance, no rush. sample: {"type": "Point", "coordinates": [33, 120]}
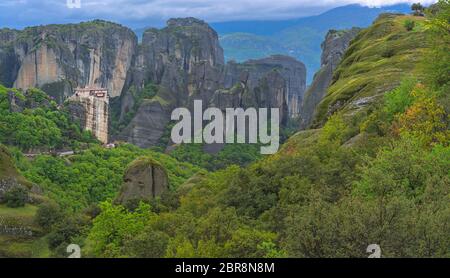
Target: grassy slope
{"type": "Point", "coordinates": [13, 246]}
{"type": "Point", "coordinates": [21, 246]}
{"type": "Point", "coordinates": [364, 72]}
{"type": "Point", "coordinates": [374, 64]}
{"type": "Point", "coordinates": [8, 169]}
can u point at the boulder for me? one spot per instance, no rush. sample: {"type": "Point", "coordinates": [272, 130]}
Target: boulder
{"type": "Point", "coordinates": [144, 179]}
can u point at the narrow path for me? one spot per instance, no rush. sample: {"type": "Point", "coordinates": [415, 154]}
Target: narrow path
{"type": "Point", "coordinates": [66, 153]}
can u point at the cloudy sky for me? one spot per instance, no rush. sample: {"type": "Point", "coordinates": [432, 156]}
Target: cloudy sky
{"type": "Point", "coordinates": [136, 13]}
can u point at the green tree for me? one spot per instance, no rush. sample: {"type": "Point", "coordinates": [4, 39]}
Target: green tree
{"type": "Point", "coordinates": [418, 9]}
{"type": "Point", "coordinates": [48, 214]}
{"type": "Point", "coordinates": [16, 197]}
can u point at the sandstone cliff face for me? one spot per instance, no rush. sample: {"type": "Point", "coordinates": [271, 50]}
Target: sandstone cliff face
{"type": "Point", "coordinates": [58, 58]}
{"type": "Point", "coordinates": [185, 58]}
{"type": "Point", "coordinates": [268, 90]}
{"type": "Point", "coordinates": [186, 61]}
{"type": "Point", "coordinates": [9, 63]}
{"type": "Point", "coordinates": [334, 47]}
{"type": "Point", "coordinates": [148, 125]}
{"type": "Point", "coordinates": [144, 179]}
{"type": "Point", "coordinates": [251, 73]}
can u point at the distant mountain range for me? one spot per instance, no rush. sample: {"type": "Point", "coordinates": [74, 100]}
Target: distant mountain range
{"type": "Point", "coordinates": [300, 38]}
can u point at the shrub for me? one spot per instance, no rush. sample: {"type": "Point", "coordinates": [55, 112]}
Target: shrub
{"type": "Point", "coordinates": [334, 129]}
{"type": "Point", "coordinates": [409, 25]}
{"type": "Point", "coordinates": [16, 197]}
{"type": "Point", "coordinates": [47, 215]}
{"type": "Point", "coordinates": [417, 9]}
{"type": "Point", "coordinates": [399, 99]}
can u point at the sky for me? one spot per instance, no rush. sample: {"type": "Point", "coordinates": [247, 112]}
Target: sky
{"type": "Point", "coordinates": [140, 13]}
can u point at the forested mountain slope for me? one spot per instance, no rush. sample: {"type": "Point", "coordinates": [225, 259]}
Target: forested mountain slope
{"type": "Point", "coordinates": [374, 173]}
{"type": "Point", "coordinates": [379, 176]}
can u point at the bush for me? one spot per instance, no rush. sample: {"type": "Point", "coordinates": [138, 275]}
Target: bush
{"type": "Point", "coordinates": [16, 197]}
{"type": "Point", "coordinates": [409, 25]}
{"type": "Point", "coordinates": [47, 215]}
{"type": "Point", "coordinates": [399, 99]}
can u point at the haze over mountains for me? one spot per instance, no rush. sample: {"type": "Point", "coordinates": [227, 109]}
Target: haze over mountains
{"type": "Point", "coordinates": [300, 38]}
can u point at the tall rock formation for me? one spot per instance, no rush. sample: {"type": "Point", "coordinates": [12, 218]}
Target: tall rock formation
{"type": "Point", "coordinates": [183, 62]}
{"type": "Point", "coordinates": [186, 62]}
{"type": "Point", "coordinates": [333, 48]}
{"type": "Point", "coordinates": [58, 58]}
{"type": "Point", "coordinates": [253, 88]}
{"type": "Point", "coordinates": [144, 179]}
{"type": "Point", "coordinates": [251, 73]}
{"type": "Point", "coordinates": [9, 62]}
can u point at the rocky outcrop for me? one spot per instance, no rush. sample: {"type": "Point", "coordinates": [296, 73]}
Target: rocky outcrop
{"type": "Point", "coordinates": [251, 74]}
{"type": "Point", "coordinates": [334, 47]}
{"type": "Point", "coordinates": [376, 61]}
{"type": "Point", "coordinates": [185, 58]}
{"type": "Point", "coordinates": [90, 108]}
{"type": "Point", "coordinates": [57, 58]}
{"type": "Point", "coordinates": [29, 99]}
{"type": "Point", "coordinates": [144, 180]}
{"type": "Point", "coordinates": [269, 90]}
{"type": "Point", "coordinates": [186, 62]}
{"type": "Point", "coordinates": [148, 125]}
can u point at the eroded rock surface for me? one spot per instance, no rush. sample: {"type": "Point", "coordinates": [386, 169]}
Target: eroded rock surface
{"type": "Point", "coordinates": [251, 73]}
{"type": "Point", "coordinates": [144, 179]}
{"type": "Point", "coordinates": [186, 62]}
{"type": "Point", "coordinates": [334, 47]}
{"type": "Point", "coordinates": [58, 58]}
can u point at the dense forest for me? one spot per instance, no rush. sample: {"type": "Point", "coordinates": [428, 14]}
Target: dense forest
{"type": "Point", "coordinates": [379, 174]}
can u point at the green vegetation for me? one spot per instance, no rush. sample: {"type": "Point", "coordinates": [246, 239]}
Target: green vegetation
{"type": "Point", "coordinates": [94, 175]}
{"type": "Point", "coordinates": [16, 197]}
{"type": "Point", "coordinates": [375, 62]}
{"type": "Point", "coordinates": [409, 25]}
{"type": "Point", "coordinates": [376, 174]}
{"type": "Point", "coordinates": [238, 154]}
{"type": "Point", "coordinates": [7, 168]}
{"type": "Point", "coordinates": [117, 123]}
{"type": "Point", "coordinates": [26, 212]}
{"type": "Point", "coordinates": [24, 241]}
{"type": "Point", "coordinates": [35, 122]}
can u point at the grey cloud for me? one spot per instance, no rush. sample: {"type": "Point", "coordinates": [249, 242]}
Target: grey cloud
{"type": "Point", "coordinates": [148, 12]}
